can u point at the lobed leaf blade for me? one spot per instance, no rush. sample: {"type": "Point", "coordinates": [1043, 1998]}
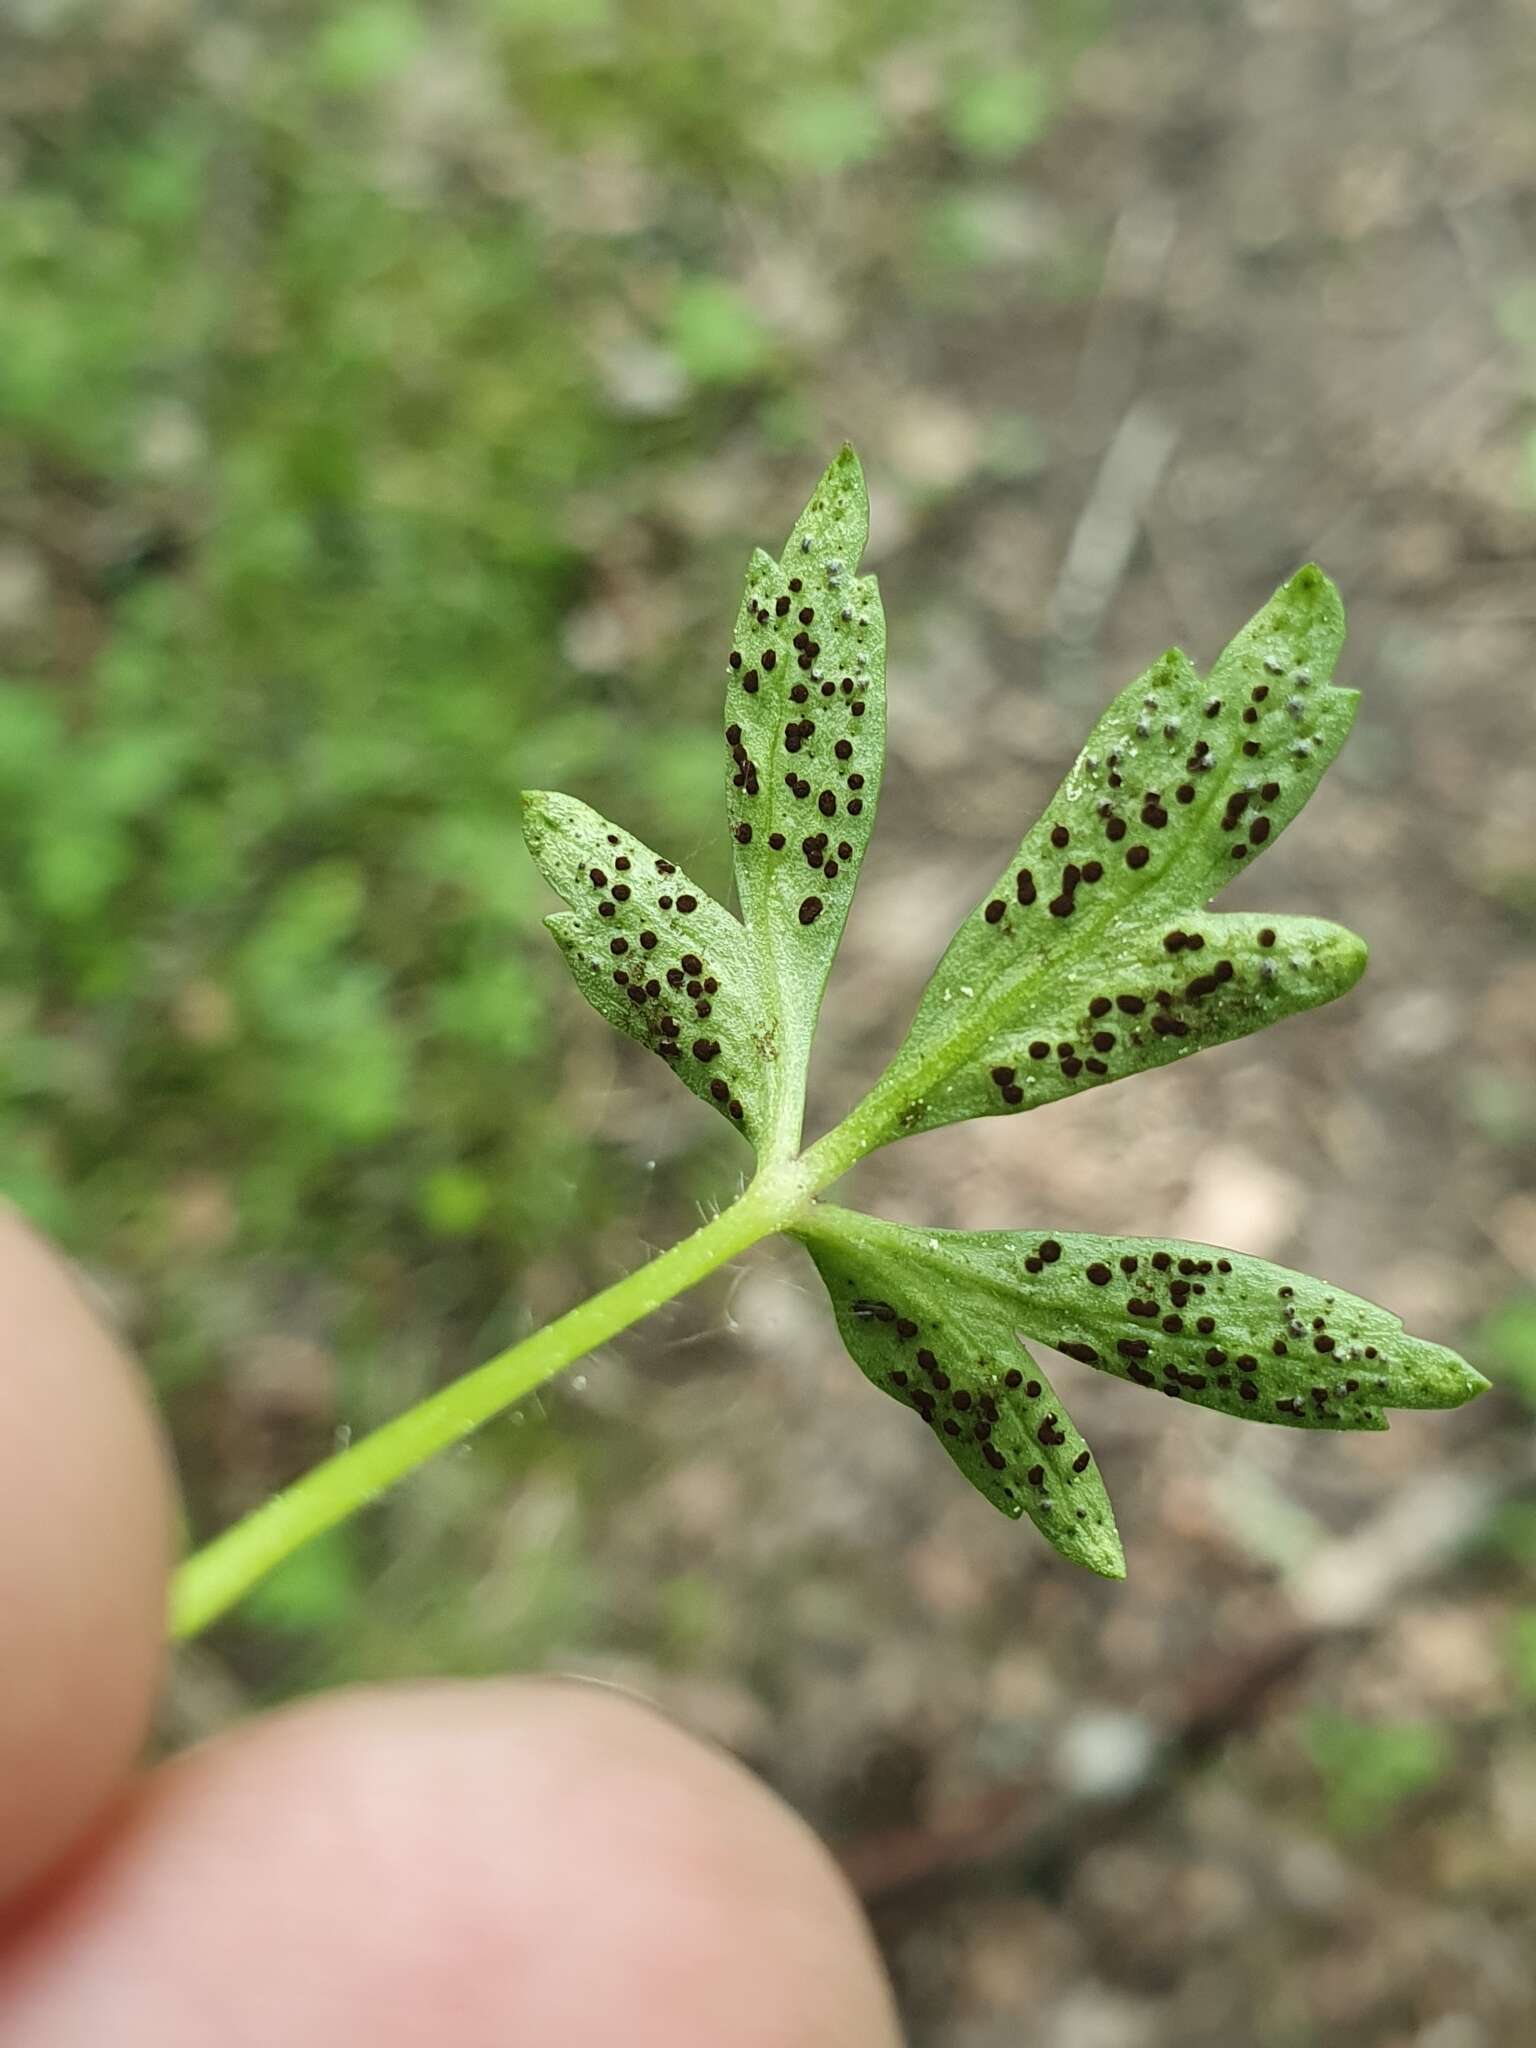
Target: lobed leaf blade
{"type": "Point", "coordinates": [805, 732]}
{"type": "Point", "coordinates": [950, 1351]}
{"type": "Point", "coordinates": [1217, 1328]}
{"type": "Point", "coordinates": [1172, 992]}
{"type": "Point", "coordinates": [1180, 785]}
{"type": "Point", "coordinates": [656, 956]}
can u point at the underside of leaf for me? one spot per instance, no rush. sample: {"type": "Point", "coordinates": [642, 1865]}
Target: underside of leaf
{"type": "Point", "coordinates": [805, 736]}
{"type": "Point", "coordinates": [657, 957]}
{"type": "Point", "coordinates": [1093, 956]}
{"type": "Point", "coordinates": [1196, 1323]}
{"type": "Point", "coordinates": [950, 1352]}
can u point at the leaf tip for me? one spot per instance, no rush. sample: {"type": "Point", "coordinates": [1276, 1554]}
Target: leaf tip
{"type": "Point", "coordinates": [1351, 958]}
{"type": "Point", "coordinates": [1106, 1557]}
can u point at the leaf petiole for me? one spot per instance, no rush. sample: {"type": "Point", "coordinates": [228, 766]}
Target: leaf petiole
{"type": "Point", "coordinates": [211, 1581]}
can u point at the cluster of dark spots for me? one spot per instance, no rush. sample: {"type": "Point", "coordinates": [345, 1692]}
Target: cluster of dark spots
{"type": "Point", "coordinates": [1050, 1432]}
{"type": "Point", "coordinates": [1169, 1027]}
{"type": "Point", "coordinates": [1006, 1083]}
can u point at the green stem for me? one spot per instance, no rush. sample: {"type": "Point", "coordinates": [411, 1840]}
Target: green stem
{"type": "Point", "coordinates": [219, 1574]}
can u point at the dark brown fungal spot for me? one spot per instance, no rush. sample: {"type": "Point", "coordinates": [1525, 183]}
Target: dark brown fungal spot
{"type": "Point", "coordinates": [1050, 1251]}
{"type": "Point", "coordinates": [687, 903]}
{"type": "Point", "coordinates": [719, 1090]}
{"type": "Point", "coordinates": [810, 909]}
{"type": "Point", "coordinates": [1060, 836]}
{"type": "Point", "coordinates": [1100, 1007]}
{"type": "Point", "coordinates": [735, 657]}
{"type": "Point", "coordinates": [905, 1327]}
{"type": "Point", "coordinates": [855, 782]}
{"type": "Point", "coordinates": [1099, 1273]}
{"type": "Point", "coordinates": [1061, 906]}
{"type": "Point", "coordinates": [1137, 857]}
{"type": "Point", "coordinates": [704, 1049]}
{"type": "Point", "coordinates": [749, 680]}
{"type": "Point", "coordinates": [606, 910]}
{"type": "Point", "coordinates": [855, 806]}
{"type": "Point", "coordinates": [770, 659]}
{"type": "Point", "coordinates": [1251, 748]}
{"type": "Point", "coordinates": [844, 750]}
{"type": "Point", "coordinates": [995, 910]}
{"type": "Point", "coordinates": [1013, 1377]}
{"type": "Point", "coordinates": [1072, 1066]}
{"type": "Point", "coordinates": [927, 1360]}
{"type": "Point", "coordinates": [1082, 1461]}
{"type": "Point", "coordinates": [597, 878]}
{"type": "Point", "coordinates": [1003, 1075]}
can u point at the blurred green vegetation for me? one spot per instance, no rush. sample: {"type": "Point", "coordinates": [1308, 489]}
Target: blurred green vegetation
{"type": "Point", "coordinates": [329, 340]}
{"type": "Point", "coordinates": [1370, 1770]}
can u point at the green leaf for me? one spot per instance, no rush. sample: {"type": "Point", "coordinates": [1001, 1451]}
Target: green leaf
{"type": "Point", "coordinates": [656, 956]}
{"type": "Point", "coordinates": [805, 729]}
{"type": "Point", "coordinates": [1214, 1328]}
{"type": "Point", "coordinates": [947, 1345]}
{"type": "Point", "coordinates": [1092, 957]}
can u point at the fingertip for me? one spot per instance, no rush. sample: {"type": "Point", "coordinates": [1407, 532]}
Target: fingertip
{"type": "Point", "coordinates": [458, 1863]}
{"type": "Point", "coordinates": [86, 1532]}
